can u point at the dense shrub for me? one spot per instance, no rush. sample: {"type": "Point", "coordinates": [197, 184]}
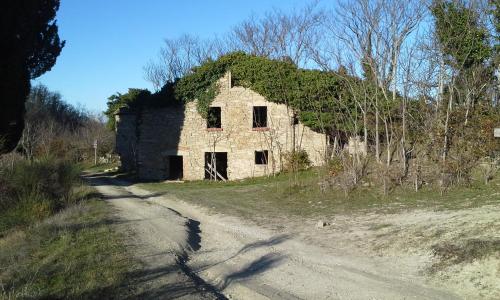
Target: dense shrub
{"type": "Point", "coordinates": [31, 191]}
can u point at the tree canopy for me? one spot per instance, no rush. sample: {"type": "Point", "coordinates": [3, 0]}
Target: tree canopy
{"type": "Point", "coordinates": [463, 39]}
{"type": "Point", "coordinates": [30, 47]}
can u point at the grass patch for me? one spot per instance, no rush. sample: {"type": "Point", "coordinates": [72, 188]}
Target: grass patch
{"type": "Point", "coordinates": [464, 252]}
{"type": "Point", "coordinates": [300, 195]}
{"type": "Point", "coordinates": [73, 254]}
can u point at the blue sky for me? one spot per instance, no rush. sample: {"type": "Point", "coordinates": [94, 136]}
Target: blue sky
{"type": "Point", "coordinates": [109, 41]}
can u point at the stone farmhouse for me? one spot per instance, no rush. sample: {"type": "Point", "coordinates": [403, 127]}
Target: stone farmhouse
{"type": "Point", "coordinates": [246, 136]}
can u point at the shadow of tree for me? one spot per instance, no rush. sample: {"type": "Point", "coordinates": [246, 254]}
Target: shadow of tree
{"type": "Point", "coordinates": [256, 267]}
{"type": "Point", "coordinates": [274, 240]}
{"type": "Point", "coordinates": [196, 287]}
{"type": "Point", "coordinates": [194, 234]}
{"type": "Point", "coordinates": [160, 282]}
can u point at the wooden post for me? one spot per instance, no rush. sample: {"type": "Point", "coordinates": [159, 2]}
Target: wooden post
{"type": "Point", "coordinates": [95, 152]}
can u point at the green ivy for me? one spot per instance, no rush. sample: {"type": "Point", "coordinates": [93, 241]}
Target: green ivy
{"type": "Point", "coordinates": [319, 98]}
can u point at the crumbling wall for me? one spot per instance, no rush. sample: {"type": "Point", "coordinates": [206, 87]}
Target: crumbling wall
{"type": "Point", "coordinates": [126, 139]}
{"type": "Point", "coordinates": [160, 131]}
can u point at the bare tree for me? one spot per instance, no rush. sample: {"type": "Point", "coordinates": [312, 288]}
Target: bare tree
{"type": "Point", "coordinates": [371, 33]}
{"type": "Point", "coordinates": [178, 56]}
{"type": "Point", "coordinates": [281, 35]}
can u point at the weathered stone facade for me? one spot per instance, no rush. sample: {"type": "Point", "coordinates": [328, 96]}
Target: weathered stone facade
{"type": "Point", "coordinates": [126, 138]}
{"type": "Point", "coordinates": [160, 134]}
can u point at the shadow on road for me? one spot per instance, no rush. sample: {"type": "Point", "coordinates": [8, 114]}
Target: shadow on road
{"type": "Point", "coordinates": [165, 282]}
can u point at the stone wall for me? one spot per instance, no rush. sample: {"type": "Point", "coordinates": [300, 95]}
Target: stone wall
{"type": "Point", "coordinates": [126, 139]}
{"type": "Point", "coordinates": [172, 131]}
{"type": "Point", "coordinates": [160, 131]}
{"type": "Point", "coordinates": [356, 145]}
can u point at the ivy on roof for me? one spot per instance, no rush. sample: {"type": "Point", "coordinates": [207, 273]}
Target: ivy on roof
{"type": "Point", "coordinates": [314, 95]}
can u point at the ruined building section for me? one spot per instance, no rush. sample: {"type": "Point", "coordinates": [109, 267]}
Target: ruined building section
{"type": "Point", "coordinates": [246, 136]}
{"type": "Point", "coordinates": [160, 130]}
{"type": "Point", "coordinates": [126, 138]}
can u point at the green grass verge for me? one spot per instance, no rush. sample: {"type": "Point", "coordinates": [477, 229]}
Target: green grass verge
{"type": "Point", "coordinates": [73, 254]}
{"type": "Point", "coordinates": [300, 195]}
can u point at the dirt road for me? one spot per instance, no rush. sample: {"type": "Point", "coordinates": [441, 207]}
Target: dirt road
{"type": "Point", "coordinates": [188, 253]}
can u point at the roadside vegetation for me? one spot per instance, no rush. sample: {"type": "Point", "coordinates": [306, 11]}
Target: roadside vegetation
{"type": "Point", "coordinates": [56, 238]}
{"type": "Point", "coordinates": [33, 191]}
{"type": "Point", "coordinates": [75, 254]}
{"type": "Point", "coordinates": [41, 177]}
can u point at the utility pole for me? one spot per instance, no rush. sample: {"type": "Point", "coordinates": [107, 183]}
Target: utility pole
{"type": "Point", "coordinates": [95, 152]}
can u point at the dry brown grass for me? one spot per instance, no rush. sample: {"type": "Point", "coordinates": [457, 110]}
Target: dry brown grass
{"type": "Point", "coordinates": [464, 252]}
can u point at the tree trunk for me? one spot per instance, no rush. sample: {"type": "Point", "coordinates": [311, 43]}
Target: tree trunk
{"type": "Point", "coordinates": [365, 128]}
{"type": "Point", "coordinates": [388, 142]}
{"type": "Point", "coordinates": [377, 138]}
{"type": "Point", "coordinates": [446, 124]}
{"type": "Point", "coordinates": [441, 83]}
{"type": "Point", "coordinates": [403, 138]}
{"type": "Point", "coordinates": [293, 133]}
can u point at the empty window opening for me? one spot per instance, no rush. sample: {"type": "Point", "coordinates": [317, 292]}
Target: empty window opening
{"type": "Point", "coordinates": [216, 165]}
{"type": "Point", "coordinates": [175, 167]}
{"type": "Point", "coordinates": [214, 119]}
{"type": "Point", "coordinates": [261, 157]}
{"type": "Point", "coordinates": [259, 116]}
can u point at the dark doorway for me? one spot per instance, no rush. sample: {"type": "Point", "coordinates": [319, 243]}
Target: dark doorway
{"type": "Point", "coordinates": [175, 167]}
{"type": "Point", "coordinates": [216, 165]}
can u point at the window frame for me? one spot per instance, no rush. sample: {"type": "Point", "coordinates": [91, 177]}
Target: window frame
{"type": "Point", "coordinates": [217, 125]}
{"type": "Point", "coordinates": [256, 111]}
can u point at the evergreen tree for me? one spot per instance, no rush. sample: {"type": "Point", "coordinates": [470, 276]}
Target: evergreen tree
{"type": "Point", "coordinates": [30, 47]}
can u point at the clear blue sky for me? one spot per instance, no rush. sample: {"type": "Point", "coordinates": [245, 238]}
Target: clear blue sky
{"type": "Point", "coordinates": [109, 41]}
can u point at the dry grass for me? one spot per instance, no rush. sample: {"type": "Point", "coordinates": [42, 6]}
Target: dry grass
{"type": "Point", "coordinates": [33, 191]}
{"type": "Point", "coordinates": [301, 195]}
{"type": "Point", "coordinates": [465, 251]}
{"type": "Point", "coordinates": [73, 254]}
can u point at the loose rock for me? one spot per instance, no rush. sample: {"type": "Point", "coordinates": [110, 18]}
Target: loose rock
{"type": "Point", "coordinates": [322, 224]}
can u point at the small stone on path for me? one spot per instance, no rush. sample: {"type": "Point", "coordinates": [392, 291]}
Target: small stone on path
{"type": "Point", "coordinates": [322, 224]}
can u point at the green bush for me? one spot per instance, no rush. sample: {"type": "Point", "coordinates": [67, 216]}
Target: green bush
{"type": "Point", "coordinates": [32, 191]}
{"type": "Point", "coordinates": [296, 160]}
